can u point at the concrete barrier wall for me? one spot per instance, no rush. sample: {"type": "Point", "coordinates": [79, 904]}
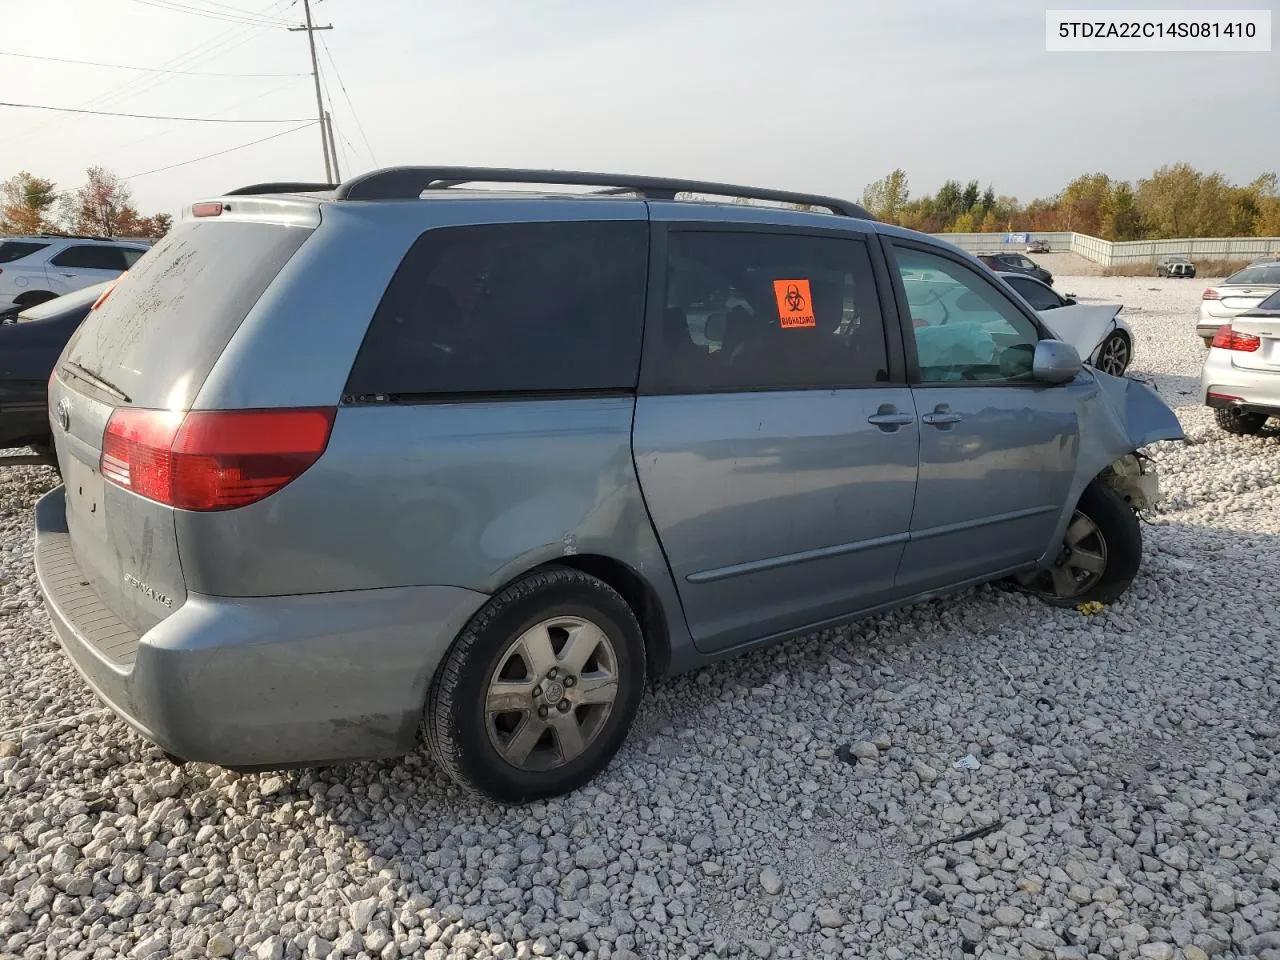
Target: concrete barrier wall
{"type": "Point", "coordinates": [1109, 254]}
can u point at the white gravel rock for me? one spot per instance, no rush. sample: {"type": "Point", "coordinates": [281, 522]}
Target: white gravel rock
{"type": "Point", "coordinates": [1122, 807]}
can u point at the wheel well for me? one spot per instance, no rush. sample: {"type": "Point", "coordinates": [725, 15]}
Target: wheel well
{"type": "Point", "coordinates": [32, 297]}
{"type": "Point", "coordinates": [640, 596]}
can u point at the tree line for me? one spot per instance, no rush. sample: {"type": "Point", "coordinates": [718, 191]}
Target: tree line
{"type": "Point", "coordinates": [101, 207]}
{"type": "Point", "coordinates": [1176, 201]}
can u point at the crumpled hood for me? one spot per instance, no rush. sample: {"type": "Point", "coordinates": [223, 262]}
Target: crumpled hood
{"type": "Point", "coordinates": [1083, 325]}
{"type": "Point", "coordinates": [1142, 416]}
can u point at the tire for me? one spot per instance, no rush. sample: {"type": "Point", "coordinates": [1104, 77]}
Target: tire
{"type": "Point", "coordinates": [32, 299]}
{"type": "Point", "coordinates": [1114, 538]}
{"type": "Point", "coordinates": [1115, 354]}
{"type": "Point", "coordinates": [465, 739]}
{"type": "Point", "coordinates": [1239, 422]}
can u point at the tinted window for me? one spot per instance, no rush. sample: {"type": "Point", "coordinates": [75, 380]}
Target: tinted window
{"type": "Point", "coordinates": [965, 327]}
{"type": "Point", "coordinates": [1271, 303]}
{"type": "Point", "coordinates": [11, 250]}
{"type": "Point", "coordinates": [1267, 274]}
{"type": "Point", "coordinates": [96, 257]}
{"type": "Point", "coordinates": [131, 256]}
{"type": "Point", "coordinates": [1036, 294]}
{"type": "Point", "coordinates": [510, 307]}
{"type": "Point", "coordinates": [170, 318]}
{"type": "Point", "coordinates": [750, 311]}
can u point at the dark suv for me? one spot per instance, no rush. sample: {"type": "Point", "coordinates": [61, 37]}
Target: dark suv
{"type": "Point", "coordinates": [1016, 263]}
{"type": "Point", "coordinates": [347, 463]}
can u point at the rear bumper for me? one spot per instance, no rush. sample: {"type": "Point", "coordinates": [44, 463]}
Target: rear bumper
{"type": "Point", "coordinates": [257, 682]}
{"type": "Point", "coordinates": [1253, 391]}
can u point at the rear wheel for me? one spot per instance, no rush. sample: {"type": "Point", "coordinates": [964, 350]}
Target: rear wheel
{"type": "Point", "coordinates": [538, 692]}
{"type": "Point", "coordinates": [1239, 422]}
{"type": "Point", "coordinates": [1099, 555]}
{"type": "Point", "coordinates": [1114, 354]}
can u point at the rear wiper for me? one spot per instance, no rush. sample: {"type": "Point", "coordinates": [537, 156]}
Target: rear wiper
{"type": "Point", "coordinates": [86, 374]}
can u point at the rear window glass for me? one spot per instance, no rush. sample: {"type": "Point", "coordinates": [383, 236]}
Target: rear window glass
{"type": "Point", "coordinates": [503, 308]}
{"type": "Point", "coordinates": [174, 312]}
{"type": "Point", "coordinates": [1265, 274]}
{"type": "Point", "coordinates": [11, 250]}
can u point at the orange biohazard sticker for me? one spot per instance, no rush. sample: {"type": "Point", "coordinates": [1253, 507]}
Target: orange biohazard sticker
{"type": "Point", "coordinates": [795, 306]}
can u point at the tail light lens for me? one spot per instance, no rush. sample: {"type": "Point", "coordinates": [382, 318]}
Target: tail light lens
{"type": "Point", "coordinates": [212, 460]}
{"type": "Point", "coordinates": [1228, 339]}
{"type": "Point", "coordinates": [102, 297]}
{"type": "Point", "coordinates": [1211, 294]}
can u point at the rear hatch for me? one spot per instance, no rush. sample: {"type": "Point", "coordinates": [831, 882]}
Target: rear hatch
{"type": "Point", "coordinates": [149, 347]}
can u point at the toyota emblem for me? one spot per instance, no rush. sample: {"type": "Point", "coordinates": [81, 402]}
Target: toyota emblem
{"type": "Point", "coordinates": [63, 410]}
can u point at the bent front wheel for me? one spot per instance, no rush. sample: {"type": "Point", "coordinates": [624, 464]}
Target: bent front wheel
{"type": "Point", "coordinates": [1099, 555]}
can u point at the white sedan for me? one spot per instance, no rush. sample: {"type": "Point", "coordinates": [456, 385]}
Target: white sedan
{"type": "Point", "coordinates": [1097, 331]}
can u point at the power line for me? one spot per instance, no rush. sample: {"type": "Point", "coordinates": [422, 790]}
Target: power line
{"type": "Point", "coordinates": [123, 66]}
{"type": "Point", "coordinates": [208, 156]}
{"type": "Point", "coordinates": [355, 116]}
{"type": "Point", "coordinates": [143, 116]}
{"type": "Point", "coordinates": [251, 19]}
{"type": "Point", "coordinates": [220, 43]}
{"type": "Point", "coordinates": [270, 91]}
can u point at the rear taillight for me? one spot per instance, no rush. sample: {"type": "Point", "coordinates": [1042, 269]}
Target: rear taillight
{"type": "Point", "coordinates": [102, 297]}
{"type": "Point", "coordinates": [1211, 294]}
{"type": "Point", "coordinates": [1228, 339]}
{"type": "Point", "coordinates": [212, 460]}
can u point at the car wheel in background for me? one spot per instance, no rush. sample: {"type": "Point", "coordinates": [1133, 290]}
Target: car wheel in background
{"type": "Point", "coordinates": [538, 691]}
{"type": "Point", "coordinates": [1115, 354]}
{"type": "Point", "coordinates": [1099, 556]}
{"type": "Point", "coordinates": [1239, 422]}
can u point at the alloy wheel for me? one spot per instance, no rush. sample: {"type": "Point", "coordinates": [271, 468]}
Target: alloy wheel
{"type": "Point", "coordinates": [551, 693]}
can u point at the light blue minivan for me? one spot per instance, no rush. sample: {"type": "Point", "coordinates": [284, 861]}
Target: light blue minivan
{"type": "Point", "coordinates": [347, 466]}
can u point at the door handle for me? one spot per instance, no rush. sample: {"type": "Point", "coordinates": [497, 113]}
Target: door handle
{"type": "Point", "coordinates": [888, 418]}
{"type": "Point", "coordinates": [942, 417]}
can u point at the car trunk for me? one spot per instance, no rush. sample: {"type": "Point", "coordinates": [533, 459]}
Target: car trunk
{"type": "Point", "coordinates": [150, 345]}
{"type": "Point", "coordinates": [1267, 330]}
{"type": "Point", "coordinates": [1244, 298]}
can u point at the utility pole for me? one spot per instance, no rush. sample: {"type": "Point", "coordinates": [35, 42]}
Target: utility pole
{"type": "Point", "coordinates": [333, 148]}
{"type": "Point", "coordinates": [315, 75]}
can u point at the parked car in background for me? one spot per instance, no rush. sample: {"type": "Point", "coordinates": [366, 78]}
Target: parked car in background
{"type": "Point", "coordinates": [1095, 330]}
{"type": "Point", "coordinates": [29, 349]}
{"type": "Point", "coordinates": [1175, 266]}
{"type": "Point", "coordinates": [1016, 263]}
{"type": "Point", "coordinates": [1241, 378]}
{"type": "Point", "coordinates": [39, 268]}
{"type": "Point", "coordinates": [510, 482]}
{"type": "Point", "coordinates": [1038, 246]}
{"type": "Point", "coordinates": [1240, 292]}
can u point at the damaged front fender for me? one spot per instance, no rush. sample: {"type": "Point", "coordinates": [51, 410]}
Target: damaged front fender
{"type": "Point", "coordinates": [1124, 416]}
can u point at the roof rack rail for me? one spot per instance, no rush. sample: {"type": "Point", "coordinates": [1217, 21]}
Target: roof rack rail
{"type": "Point", "coordinates": [405, 183]}
{"type": "Point", "coordinates": [282, 187]}
{"type": "Point", "coordinates": [79, 236]}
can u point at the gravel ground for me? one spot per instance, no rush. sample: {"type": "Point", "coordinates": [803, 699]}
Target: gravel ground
{"type": "Point", "coordinates": [1123, 802]}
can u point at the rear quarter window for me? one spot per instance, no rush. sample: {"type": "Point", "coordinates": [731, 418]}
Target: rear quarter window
{"type": "Point", "coordinates": [509, 308]}
{"type": "Point", "coordinates": [164, 326]}
{"type": "Point", "coordinates": [13, 250]}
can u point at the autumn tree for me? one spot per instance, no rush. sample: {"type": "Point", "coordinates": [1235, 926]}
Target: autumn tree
{"type": "Point", "coordinates": [1120, 217]}
{"type": "Point", "coordinates": [887, 196]}
{"type": "Point", "coordinates": [104, 207]}
{"type": "Point", "coordinates": [25, 204]}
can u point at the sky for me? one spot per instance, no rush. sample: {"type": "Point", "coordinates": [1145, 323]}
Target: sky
{"type": "Point", "coordinates": [815, 95]}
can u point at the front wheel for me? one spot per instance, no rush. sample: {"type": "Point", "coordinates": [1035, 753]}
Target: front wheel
{"type": "Point", "coordinates": [1114, 354]}
{"type": "Point", "coordinates": [1099, 555]}
{"type": "Point", "coordinates": [537, 693]}
{"type": "Point", "coordinates": [1239, 422]}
